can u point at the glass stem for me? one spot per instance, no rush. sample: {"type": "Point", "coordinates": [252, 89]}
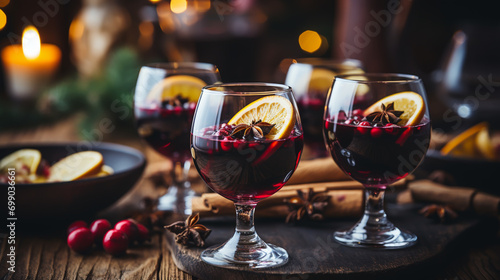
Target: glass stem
{"type": "Point", "coordinates": [245, 230]}
{"type": "Point", "coordinates": [374, 209]}
{"type": "Point", "coordinates": [179, 174]}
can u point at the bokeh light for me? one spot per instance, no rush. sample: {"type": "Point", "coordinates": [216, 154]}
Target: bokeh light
{"type": "Point", "coordinates": [31, 42]}
{"type": "Point", "coordinates": [3, 19]}
{"type": "Point", "coordinates": [178, 6]}
{"type": "Point", "coordinates": [4, 3]}
{"type": "Point", "coordinates": [154, 1]}
{"type": "Point", "coordinates": [310, 41]}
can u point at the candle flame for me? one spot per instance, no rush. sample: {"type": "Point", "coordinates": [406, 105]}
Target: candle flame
{"type": "Point", "coordinates": [31, 42]}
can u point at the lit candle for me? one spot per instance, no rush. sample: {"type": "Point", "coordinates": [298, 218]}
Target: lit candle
{"type": "Point", "coordinates": [30, 66]}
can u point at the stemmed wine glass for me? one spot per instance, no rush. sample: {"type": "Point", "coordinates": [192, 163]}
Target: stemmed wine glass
{"type": "Point", "coordinates": [377, 129]}
{"type": "Point", "coordinates": [246, 143]}
{"type": "Point", "coordinates": [164, 104]}
{"type": "Point", "coordinates": [310, 79]}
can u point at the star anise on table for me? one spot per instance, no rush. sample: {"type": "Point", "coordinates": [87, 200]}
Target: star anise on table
{"type": "Point", "coordinates": [256, 130]}
{"type": "Point", "coordinates": [387, 115]}
{"type": "Point", "coordinates": [189, 232]}
{"type": "Point", "coordinates": [442, 213]}
{"type": "Point", "coordinates": [307, 205]}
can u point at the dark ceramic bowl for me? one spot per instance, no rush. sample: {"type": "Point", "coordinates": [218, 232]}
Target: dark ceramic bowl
{"type": "Point", "coordinates": [76, 199]}
{"type": "Point", "coordinates": [481, 174]}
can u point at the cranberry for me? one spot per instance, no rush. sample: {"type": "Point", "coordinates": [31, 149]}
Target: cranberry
{"type": "Point", "coordinates": [363, 127]}
{"type": "Point", "coordinates": [357, 112]}
{"type": "Point", "coordinates": [376, 132]}
{"type": "Point", "coordinates": [365, 123]}
{"type": "Point", "coordinates": [99, 229]}
{"type": "Point", "coordinates": [226, 145]}
{"type": "Point", "coordinates": [129, 228]}
{"type": "Point", "coordinates": [143, 233]}
{"type": "Point", "coordinates": [351, 121]}
{"type": "Point", "coordinates": [115, 242]}
{"type": "Point", "coordinates": [239, 144]}
{"type": "Point", "coordinates": [390, 129]}
{"type": "Point", "coordinates": [80, 240]}
{"type": "Point", "coordinates": [76, 225]}
{"type": "Point", "coordinates": [357, 118]}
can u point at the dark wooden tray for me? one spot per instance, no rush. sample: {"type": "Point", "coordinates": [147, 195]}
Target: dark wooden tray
{"type": "Point", "coordinates": [314, 255]}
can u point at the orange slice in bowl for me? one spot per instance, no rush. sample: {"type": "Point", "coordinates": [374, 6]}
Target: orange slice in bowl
{"type": "Point", "coordinates": [76, 166]}
{"type": "Point", "coordinates": [275, 110]}
{"type": "Point", "coordinates": [183, 85]}
{"type": "Point", "coordinates": [29, 157]}
{"type": "Point", "coordinates": [410, 102]}
{"type": "Point", "coordinates": [473, 142]}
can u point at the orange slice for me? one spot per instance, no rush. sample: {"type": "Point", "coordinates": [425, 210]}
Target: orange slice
{"type": "Point", "coordinates": [76, 166]}
{"type": "Point", "coordinates": [473, 142]}
{"type": "Point", "coordinates": [410, 102]}
{"type": "Point", "coordinates": [186, 86]}
{"type": "Point", "coordinates": [29, 157]}
{"type": "Point", "coordinates": [321, 79]}
{"type": "Point", "coordinates": [275, 110]}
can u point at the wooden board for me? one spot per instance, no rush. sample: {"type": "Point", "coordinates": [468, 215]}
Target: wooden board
{"type": "Point", "coordinates": [314, 255]}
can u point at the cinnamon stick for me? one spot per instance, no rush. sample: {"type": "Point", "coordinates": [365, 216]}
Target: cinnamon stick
{"type": "Point", "coordinates": [346, 200]}
{"type": "Point", "coordinates": [459, 198]}
{"type": "Point", "coordinates": [317, 170]}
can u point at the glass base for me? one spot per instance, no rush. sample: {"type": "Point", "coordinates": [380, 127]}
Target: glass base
{"type": "Point", "coordinates": [363, 236]}
{"type": "Point", "coordinates": [230, 256]}
{"type": "Point", "coordinates": [177, 200]}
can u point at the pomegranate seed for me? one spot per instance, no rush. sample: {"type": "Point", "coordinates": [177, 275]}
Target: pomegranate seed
{"type": "Point", "coordinates": [80, 240]}
{"type": "Point", "coordinates": [99, 229]}
{"type": "Point", "coordinates": [115, 242]}
{"type": "Point", "coordinates": [76, 225]}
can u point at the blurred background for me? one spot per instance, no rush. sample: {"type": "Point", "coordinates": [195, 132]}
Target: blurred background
{"type": "Point", "coordinates": [452, 45]}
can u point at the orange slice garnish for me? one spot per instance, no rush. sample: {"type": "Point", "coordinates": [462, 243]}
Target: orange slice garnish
{"type": "Point", "coordinates": [410, 102]}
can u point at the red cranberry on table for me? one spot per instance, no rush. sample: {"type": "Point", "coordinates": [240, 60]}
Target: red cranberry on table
{"type": "Point", "coordinates": [80, 240]}
{"type": "Point", "coordinates": [76, 225]}
{"type": "Point", "coordinates": [99, 229]}
{"type": "Point", "coordinates": [143, 233]}
{"type": "Point", "coordinates": [128, 227]}
{"type": "Point", "coordinates": [115, 242]}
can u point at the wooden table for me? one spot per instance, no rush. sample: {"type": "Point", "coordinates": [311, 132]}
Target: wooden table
{"type": "Point", "coordinates": [43, 253]}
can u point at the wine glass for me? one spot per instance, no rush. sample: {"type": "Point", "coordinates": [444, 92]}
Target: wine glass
{"type": "Point", "coordinates": [164, 104]}
{"type": "Point", "coordinates": [310, 79]}
{"type": "Point", "coordinates": [246, 143]}
{"type": "Point", "coordinates": [377, 128]}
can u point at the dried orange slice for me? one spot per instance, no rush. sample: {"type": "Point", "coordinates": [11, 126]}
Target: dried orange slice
{"type": "Point", "coordinates": [76, 166]}
{"type": "Point", "coordinates": [410, 102]}
{"type": "Point", "coordinates": [186, 86]}
{"type": "Point", "coordinates": [29, 157]}
{"type": "Point", "coordinates": [473, 142]}
{"type": "Point", "coordinates": [274, 109]}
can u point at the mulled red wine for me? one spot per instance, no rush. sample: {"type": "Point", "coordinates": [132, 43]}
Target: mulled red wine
{"type": "Point", "coordinates": [311, 114]}
{"type": "Point", "coordinates": [242, 170]}
{"type": "Point", "coordinates": [376, 154]}
{"type": "Point", "coordinates": [167, 129]}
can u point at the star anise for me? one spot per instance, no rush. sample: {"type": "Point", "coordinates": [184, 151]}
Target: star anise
{"type": "Point", "coordinates": [307, 205]}
{"type": "Point", "coordinates": [150, 216]}
{"type": "Point", "coordinates": [256, 130]}
{"type": "Point", "coordinates": [442, 213]}
{"type": "Point", "coordinates": [189, 232]}
{"type": "Point", "coordinates": [387, 115]}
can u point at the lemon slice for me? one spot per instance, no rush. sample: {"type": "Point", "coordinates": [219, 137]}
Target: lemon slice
{"type": "Point", "coordinates": [275, 110]}
{"type": "Point", "coordinates": [410, 102]}
{"type": "Point", "coordinates": [321, 79]}
{"type": "Point", "coordinates": [186, 86]}
{"type": "Point", "coordinates": [473, 142]}
{"type": "Point", "coordinates": [30, 157]}
{"type": "Point", "coordinates": [76, 166]}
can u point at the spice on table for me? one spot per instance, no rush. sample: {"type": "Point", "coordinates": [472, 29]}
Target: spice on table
{"type": "Point", "coordinates": [189, 232]}
{"type": "Point", "coordinates": [442, 213]}
{"type": "Point", "coordinates": [150, 216]}
{"type": "Point", "coordinates": [307, 205]}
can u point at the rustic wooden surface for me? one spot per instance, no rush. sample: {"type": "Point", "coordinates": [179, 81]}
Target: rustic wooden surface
{"type": "Point", "coordinates": [42, 252]}
{"type": "Point", "coordinates": [312, 250]}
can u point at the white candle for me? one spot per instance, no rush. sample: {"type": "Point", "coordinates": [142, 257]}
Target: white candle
{"type": "Point", "coordinates": [30, 66]}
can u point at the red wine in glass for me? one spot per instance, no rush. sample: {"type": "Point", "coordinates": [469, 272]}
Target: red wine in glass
{"type": "Point", "coordinates": [243, 170]}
